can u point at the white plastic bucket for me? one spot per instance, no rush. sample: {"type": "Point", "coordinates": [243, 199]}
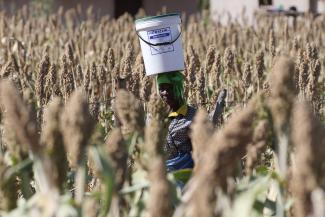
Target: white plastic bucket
{"type": "Point", "coordinates": [161, 43]}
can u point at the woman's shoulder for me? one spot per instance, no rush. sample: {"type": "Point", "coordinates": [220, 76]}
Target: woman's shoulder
{"type": "Point", "coordinates": [191, 111]}
{"type": "Point", "coordinates": [191, 108]}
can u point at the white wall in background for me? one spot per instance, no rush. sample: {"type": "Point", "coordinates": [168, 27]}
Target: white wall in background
{"type": "Point", "coordinates": [220, 8]}
{"type": "Point", "coordinates": [187, 6]}
{"type": "Point", "coordinates": [321, 6]}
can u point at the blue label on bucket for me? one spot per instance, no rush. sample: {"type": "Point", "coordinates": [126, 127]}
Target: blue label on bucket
{"type": "Point", "coordinates": [160, 36]}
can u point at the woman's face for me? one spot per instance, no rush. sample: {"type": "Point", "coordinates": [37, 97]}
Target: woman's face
{"type": "Point", "coordinates": [167, 94]}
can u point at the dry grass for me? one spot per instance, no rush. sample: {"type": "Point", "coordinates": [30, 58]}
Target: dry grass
{"type": "Point", "coordinates": [69, 86]}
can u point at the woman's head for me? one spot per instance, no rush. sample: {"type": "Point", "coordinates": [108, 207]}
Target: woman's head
{"type": "Point", "coordinates": [170, 87]}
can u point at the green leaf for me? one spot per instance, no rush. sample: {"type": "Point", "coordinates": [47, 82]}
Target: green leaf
{"type": "Point", "coordinates": [258, 206]}
{"type": "Point", "coordinates": [24, 166]}
{"type": "Point", "coordinates": [262, 170]}
{"type": "Point", "coordinates": [133, 188]}
{"type": "Point", "coordinates": [248, 202]}
{"type": "Point", "coordinates": [107, 176]}
{"type": "Point", "coordinates": [210, 92]}
{"type": "Point", "coordinates": [182, 175]}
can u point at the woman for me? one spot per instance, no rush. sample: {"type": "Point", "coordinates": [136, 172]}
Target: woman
{"type": "Point", "coordinates": [178, 146]}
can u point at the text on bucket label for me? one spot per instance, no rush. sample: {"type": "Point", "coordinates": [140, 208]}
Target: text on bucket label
{"type": "Point", "coordinates": [160, 36]}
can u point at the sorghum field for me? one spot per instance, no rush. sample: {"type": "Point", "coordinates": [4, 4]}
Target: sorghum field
{"type": "Point", "coordinates": [76, 140]}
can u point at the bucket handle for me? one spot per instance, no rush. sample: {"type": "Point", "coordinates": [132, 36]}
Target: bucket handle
{"type": "Point", "coordinates": [159, 44]}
